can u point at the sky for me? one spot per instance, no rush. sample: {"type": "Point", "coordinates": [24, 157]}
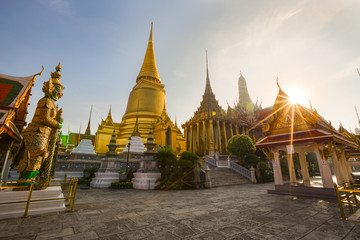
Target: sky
{"type": "Point", "coordinates": [310, 46]}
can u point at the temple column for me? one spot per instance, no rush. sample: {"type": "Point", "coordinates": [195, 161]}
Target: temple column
{"type": "Point", "coordinates": [225, 137]}
{"type": "Point", "coordinates": [278, 179]}
{"type": "Point", "coordinates": [304, 169]}
{"type": "Point", "coordinates": [237, 129]}
{"type": "Point", "coordinates": [231, 130]}
{"type": "Point", "coordinates": [346, 166]}
{"type": "Point", "coordinates": [292, 173]}
{"type": "Point", "coordinates": [219, 135]}
{"type": "Point", "coordinates": [204, 137]}
{"type": "Point", "coordinates": [211, 138]}
{"type": "Point", "coordinates": [242, 130]}
{"type": "Point", "coordinates": [342, 163]}
{"type": "Point", "coordinates": [186, 137]}
{"type": "Point", "coordinates": [324, 169]}
{"type": "Point", "coordinates": [197, 138]}
{"type": "Point", "coordinates": [337, 168]}
{"type": "Point", "coordinates": [191, 139]}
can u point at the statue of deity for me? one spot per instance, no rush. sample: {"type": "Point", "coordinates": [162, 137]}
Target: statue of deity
{"type": "Point", "coordinates": [41, 134]}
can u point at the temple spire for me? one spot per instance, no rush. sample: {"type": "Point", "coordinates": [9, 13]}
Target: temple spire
{"type": "Point", "coordinates": [149, 69]}
{"type": "Point", "coordinates": [208, 89]}
{"type": "Point", "coordinates": [108, 119]}
{"type": "Point", "coordinates": [88, 132]}
{"type": "Point", "coordinates": [244, 97]}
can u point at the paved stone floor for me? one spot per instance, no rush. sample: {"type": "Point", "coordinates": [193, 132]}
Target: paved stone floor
{"type": "Point", "coordinates": [233, 212]}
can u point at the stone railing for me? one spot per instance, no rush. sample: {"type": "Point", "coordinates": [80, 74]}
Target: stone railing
{"type": "Point", "coordinates": [249, 174]}
{"type": "Point", "coordinates": [211, 161]}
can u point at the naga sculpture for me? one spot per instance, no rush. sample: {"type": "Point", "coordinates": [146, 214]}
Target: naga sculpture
{"type": "Point", "coordinates": [41, 134]}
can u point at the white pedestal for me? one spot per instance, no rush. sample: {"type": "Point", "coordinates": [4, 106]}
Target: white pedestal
{"type": "Point", "coordinates": [14, 210]}
{"type": "Point", "coordinates": [104, 179]}
{"type": "Point", "coordinates": [145, 181]}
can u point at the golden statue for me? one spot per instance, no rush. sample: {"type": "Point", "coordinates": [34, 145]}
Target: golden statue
{"type": "Point", "coordinates": [41, 134]}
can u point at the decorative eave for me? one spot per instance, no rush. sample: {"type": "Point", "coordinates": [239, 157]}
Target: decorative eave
{"type": "Point", "coordinates": [14, 102]}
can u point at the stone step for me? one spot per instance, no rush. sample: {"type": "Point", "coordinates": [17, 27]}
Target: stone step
{"type": "Point", "coordinates": [226, 177]}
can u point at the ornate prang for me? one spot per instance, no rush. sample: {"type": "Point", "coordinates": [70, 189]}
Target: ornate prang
{"type": "Point", "coordinates": [41, 134]}
{"type": "Point", "coordinates": [150, 144]}
{"type": "Point", "coordinates": [112, 146]}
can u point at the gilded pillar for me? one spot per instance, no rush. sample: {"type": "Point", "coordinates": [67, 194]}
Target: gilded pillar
{"type": "Point", "coordinates": [211, 138]}
{"type": "Point", "coordinates": [197, 138]}
{"type": "Point", "coordinates": [186, 137]}
{"type": "Point", "coordinates": [219, 135]}
{"type": "Point", "coordinates": [204, 137]}
{"type": "Point", "coordinates": [191, 139]}
{"type": "Point", "coordinates": [225, 138]}
{"type": "Point", "coordinates": [231, 130]}
{"type": "Point", "coordinates": [237, 129]}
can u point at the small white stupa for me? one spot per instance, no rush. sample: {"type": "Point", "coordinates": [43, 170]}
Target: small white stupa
{"type": "Point", "coordinates": [135, 142]}
{"type": "Point", "coordinates": [85, 146]}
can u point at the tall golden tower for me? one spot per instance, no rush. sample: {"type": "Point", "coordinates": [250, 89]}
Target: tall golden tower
{"type": "Point", "coordinates": [147, 100]}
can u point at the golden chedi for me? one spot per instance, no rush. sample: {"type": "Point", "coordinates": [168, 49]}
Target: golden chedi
{"type": "Point", "coordinates": [147, 100]}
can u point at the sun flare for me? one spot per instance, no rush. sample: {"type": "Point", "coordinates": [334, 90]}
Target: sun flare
{"type": "Point", "coordinates": [297, 96]}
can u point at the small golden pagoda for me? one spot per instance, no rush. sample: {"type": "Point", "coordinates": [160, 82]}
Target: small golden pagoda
{"type": "Point", "coordinates": [147, 100]}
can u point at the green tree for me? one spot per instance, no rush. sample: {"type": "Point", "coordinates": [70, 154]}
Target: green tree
{"type": "Point", "coordinates": [167, 160]}
{"type": "Point", "coordinates": [241, 145]}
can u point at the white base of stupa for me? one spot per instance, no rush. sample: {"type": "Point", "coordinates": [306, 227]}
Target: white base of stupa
{"type": "Point", "coordinates": [13, 210]}
{"type": "Point", "coordinates": [104, 179]}
{"type": "Point", "coordinates": [145, 181]}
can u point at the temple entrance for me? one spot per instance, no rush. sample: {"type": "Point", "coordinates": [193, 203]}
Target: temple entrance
{"type": "Point", "coordinates": [168, 136]}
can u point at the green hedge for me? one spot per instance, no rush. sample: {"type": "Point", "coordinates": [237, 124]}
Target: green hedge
{"type": "Point", "coordinates": [121, 185]}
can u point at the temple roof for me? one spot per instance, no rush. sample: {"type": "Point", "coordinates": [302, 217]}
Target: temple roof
{"type": "Point", "coordinates": [292, 123]}
{"type": "Point", "coordinates": [14, 98]}
{"type": "Point", "coordinates": [149, 68]}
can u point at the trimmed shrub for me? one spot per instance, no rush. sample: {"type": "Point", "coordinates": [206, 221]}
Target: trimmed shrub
{"type": "Point", "coordinates": [121, 185]}
{"type": "Point", "coordinates": [241, 145]}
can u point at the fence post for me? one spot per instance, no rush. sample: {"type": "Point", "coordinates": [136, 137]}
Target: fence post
{"type": "Point", "coordinates": [253, 178]}
{"type": "Point", "coordinates": [348, 198]}
{"type": "Point", "coordinates": [65, 177]}
{"type": "Point", "coordinates": [354, 193]}
{"type": "Point", "coordinates": [71, 182]}
{"type": "Point", "coordinates": [339, 202]}
{"type": "Point", "coordinates": [28, 200]}
{"type": "Point", "coordinates": [74, 196]}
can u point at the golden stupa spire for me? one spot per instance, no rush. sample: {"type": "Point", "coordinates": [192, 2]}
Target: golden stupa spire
{"type": "Point", "coordinates": [149, 69]}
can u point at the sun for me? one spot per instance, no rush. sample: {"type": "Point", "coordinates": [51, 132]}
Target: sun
{"type": "Point", "coordinates": [297, 96]}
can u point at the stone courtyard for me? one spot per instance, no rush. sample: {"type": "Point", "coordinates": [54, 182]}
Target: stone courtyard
{"type": "Point", "coordinates": [232, 212]}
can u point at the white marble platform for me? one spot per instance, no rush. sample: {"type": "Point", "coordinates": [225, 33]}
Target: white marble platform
{"type": "Point", "coordinates": [14, 210]}
{"type": "Point", "coordinates": [104, 179]}
{"type": "Point", "coordinates": [145, 181]}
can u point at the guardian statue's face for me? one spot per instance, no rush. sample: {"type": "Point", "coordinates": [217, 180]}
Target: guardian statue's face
{"type": "Point", "coordinates": [56, 94]}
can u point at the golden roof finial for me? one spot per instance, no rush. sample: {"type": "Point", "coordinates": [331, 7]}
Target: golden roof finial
{"type": "Point", "coordinates": [149, 69]}
{"type": "Point", "coordinates": [151, 33]}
